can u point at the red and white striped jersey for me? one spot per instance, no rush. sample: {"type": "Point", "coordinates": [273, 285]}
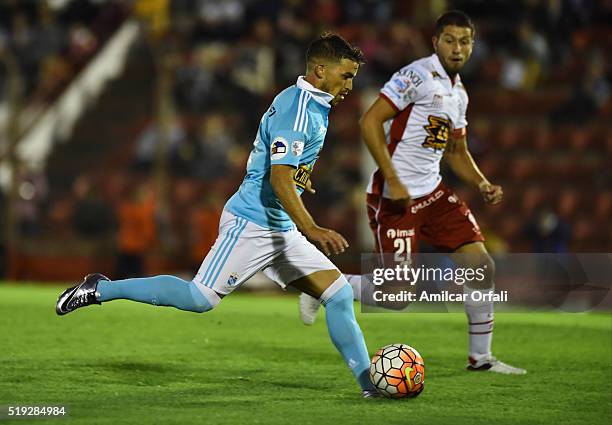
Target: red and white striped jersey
{"type": "Point", "coordinates": [430, 108]}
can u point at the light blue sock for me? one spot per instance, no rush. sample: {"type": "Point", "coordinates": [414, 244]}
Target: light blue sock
{"type": "Point", "coordinates": [162, 290]}
{"type": "Point", "coordinates": [346, 334]}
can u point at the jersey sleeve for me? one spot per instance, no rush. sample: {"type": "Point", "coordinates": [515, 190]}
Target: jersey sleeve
{"type": "Point", "coordinates": [288, 135]}
{"type": "Point", "coordinates": [405, 87]}
{"type": "Point", "coordinates": [462, 122]}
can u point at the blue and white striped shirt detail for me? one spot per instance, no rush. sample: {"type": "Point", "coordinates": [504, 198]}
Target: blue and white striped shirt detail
{"type": "Point", "coordinates": [301, 118]}
{"type": "Point", "coordinates": [224, 251]}
{"type": "Point", "coordinates": [291, 132]}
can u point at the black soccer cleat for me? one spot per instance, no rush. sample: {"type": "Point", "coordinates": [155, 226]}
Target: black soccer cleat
{"type": "Point", "coordinates": [81, 295]}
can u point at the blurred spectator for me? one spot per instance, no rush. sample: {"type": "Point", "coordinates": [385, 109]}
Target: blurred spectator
{"type": "Point", "coordinates": [23, 44]}
{"type": "Point", "coordinates": [136, 233]}
{"type": "Point", "coordinates": [547, 232]}
{"type": "Point", "coordinates": [82, 43]}
{"type": "Point", "coordinates": [216, 146]}
{"type": "Point", "coordinates": [253, 62]}
{"type": "Point", "coordinates": [92, 217]}
{"type": "Point", "coordinates": [32, 196]}
{"type": "Point", "coordinates": [203, 224]}
{"type": "Point", "coordinates": [148, 142]}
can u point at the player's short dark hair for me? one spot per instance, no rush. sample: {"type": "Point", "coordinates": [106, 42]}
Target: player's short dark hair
{"type": "Point", "coordinates": [332, 47]}
{"type": "Point", "coordinates": [456, 18]}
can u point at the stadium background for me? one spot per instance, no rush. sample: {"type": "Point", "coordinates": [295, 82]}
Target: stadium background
{"type": "Point", "coordinates": [126, 125]}
{"type": "Point", "coordinates": [129, 176]}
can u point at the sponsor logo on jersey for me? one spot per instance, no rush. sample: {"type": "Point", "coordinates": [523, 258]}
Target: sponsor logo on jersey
{"type": "Point", "coordinates": [413, 76]}
{"type": "Point", "coordinates": [437, 132]}
{"type": "Point", "coordinates": [278, 149]}
{"type": "Point", "coordinates": [430, 200]}
{"type": "Point", "coordinates": [401, 85]}
{"type": "Point", "coordinates": [302, 175]}
{"type": "Point", "coordinates": [400, 233]}
{"type": "Point", "coordinates": [297, 147]}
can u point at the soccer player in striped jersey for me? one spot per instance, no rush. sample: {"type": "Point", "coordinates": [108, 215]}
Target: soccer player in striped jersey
{"type": "Point", "coordinates": [418, 119]}
{"type": "Point", "coordinates": [264, 225]}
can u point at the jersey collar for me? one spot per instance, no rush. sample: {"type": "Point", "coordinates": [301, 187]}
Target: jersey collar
{"type": "Point", "coordinates": [319, 96]}
{"type": "Point", "coordinates": [435, 60]}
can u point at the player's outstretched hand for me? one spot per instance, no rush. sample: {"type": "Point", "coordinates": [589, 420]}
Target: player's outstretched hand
{"type": "Point", "coordinates": [398, 192]}
{"type": "Point", "coordinates": [329, 240]}
{"type": "Point", "coordinates": [491, 193]}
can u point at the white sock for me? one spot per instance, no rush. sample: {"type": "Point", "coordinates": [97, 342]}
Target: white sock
{"type": "Point", "coordinates": [480, 323]}
{"type": "Point", "coordinates": [363, 288]}
{"type": "Point", "coordinates": [355, 281]}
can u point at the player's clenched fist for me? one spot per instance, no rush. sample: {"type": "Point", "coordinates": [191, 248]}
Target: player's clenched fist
{"type": "Point", "coordinates": [329, 240]}
{"type": "Point", "coordinates": [491, 193]}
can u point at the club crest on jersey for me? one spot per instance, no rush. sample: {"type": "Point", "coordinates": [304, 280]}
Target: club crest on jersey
{"type": "Point", "coordinates": [437, 132]}
{"type": "Point", "coordinates": [297, 147]}
{"type": "Point", "coordinates": [279, 148]}
{"type": "Point", "coordinates": [232, 279]}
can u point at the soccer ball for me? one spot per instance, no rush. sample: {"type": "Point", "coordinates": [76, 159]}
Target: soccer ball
{"type": "Point", "coordinates": [398, 371]}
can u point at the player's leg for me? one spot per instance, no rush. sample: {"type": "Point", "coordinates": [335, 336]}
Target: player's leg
{"type": "Point", "coordinates": [451, 227]}
{"type": "Point", "coordinates": [480, 314]}
{"type": "Point", "coordinates": [305, 268]}
{"type": "Point", "coordinates": [393, 228]}
{"type": "Point", "coordinates": [480, 310]}
{"type": "Point", "coordinates": [334, 292]}
{"type": "Point", "coordinates": [162, 290]}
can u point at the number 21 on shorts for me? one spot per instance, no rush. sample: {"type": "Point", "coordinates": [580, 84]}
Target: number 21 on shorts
{"type": "Point", "coordinates": [403, 248]}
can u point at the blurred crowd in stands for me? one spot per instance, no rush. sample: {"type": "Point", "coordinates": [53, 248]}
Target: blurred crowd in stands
{"type": "Point", "coordinates": [540, 108]}
{"type": "Point", "coordinates": [52, 43]}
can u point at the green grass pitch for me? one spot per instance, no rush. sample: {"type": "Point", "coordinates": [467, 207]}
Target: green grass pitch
{"type": "Point", "coordinates": [252, 361]}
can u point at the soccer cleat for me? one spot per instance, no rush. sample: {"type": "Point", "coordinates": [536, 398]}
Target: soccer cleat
{"type": "Point", "coordinates": [491, 364]}
{"type": "Point", "coordinates": [309, 306]}
{"type": "Point", "coordinates": [81, 295]}
{"type": "Point", "coordinates": [371, 394]}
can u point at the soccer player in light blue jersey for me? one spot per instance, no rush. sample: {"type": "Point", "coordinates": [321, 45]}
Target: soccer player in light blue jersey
{"type": "Point", "coordinates": [264, 225]}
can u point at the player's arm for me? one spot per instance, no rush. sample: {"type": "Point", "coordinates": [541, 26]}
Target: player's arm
{"type": "Point", "coordinates": [462, 163]}
{"type": "Point", "coordinates": [373, 135]}
{"type": "Point", "coordinates": [281, 179]}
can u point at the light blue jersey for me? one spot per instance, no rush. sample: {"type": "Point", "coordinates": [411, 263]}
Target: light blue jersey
{"type": "Point", "coordinates": [291, 132]}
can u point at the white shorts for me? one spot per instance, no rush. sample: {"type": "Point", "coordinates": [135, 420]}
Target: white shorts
{"type": "Point", "coordinates": [243, 248]}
